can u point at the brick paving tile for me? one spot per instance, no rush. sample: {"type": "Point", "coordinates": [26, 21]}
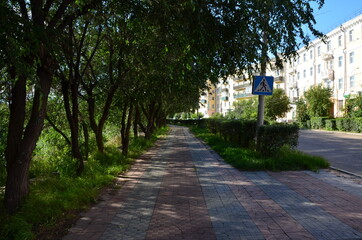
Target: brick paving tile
{"type": "Point", "coordinates": [319, 222]}
{"type": "Point", "coordinates": [342, 205]}
{"type": "Point", "coordinates": [183, 190]}
{"type": "Point", "coordinates": [180, 211]}
{"type": "Point", "coordinates": [94, 222]}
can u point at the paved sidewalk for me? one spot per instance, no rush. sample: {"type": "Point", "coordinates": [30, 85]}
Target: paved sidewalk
{"type": "Point", "coordinates": [181, 190]}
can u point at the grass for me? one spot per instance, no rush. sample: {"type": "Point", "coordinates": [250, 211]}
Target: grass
{"type": "Point", "coordinates": [55, 201]}
{"type": "Point", "coordinates": [250, 160]}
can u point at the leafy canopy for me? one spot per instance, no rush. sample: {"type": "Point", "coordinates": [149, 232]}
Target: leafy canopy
{"type": "Point", "coordinates": [318, 100]}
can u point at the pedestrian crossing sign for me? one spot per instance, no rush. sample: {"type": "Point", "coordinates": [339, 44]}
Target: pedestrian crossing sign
{"type": "Point", "coordinates": [263, 85]}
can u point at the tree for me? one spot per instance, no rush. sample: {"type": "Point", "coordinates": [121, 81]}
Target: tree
{"type": "Point", "coordinates": [353, 107]}
{"type": "Point", "coordinates": [302, 110]}
{"type": "Point", "coordinates": [244, 109]}
{"type": "Point", "coordinates": [29, 41]}
{"type": "Point", "coordinates": [318, 99]}
{"type": "Point", "coordinates": [277, 105]}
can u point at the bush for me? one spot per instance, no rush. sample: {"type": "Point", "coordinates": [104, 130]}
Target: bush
{"type": "Point", "coordinates": [309, 124]}
{"type": "Point", "coordinates": [273, 137]}
{"type": "Point", "coordinates": [330, 124]}
{"type": "Point", "coordinates": [318, 122]}
{"type": "Point", "coordinates": [248, 133]}
{"type": "Point", "coordinates": [343, 124]}
{"type": "Point", "coordinates": [302, 125]}
{"type": "Point", "coordinates": [356, 125]}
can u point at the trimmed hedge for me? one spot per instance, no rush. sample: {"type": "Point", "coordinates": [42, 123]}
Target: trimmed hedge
{"type": "Point", "coordinates": [349, 124]}
{"type": "Point", "coordinates": [318, 122]}
{"type": "Point", "coordinates": [330, 124]}
{"type": "Point", "coordinates": [271, 138]}
{"type": "Point", "coordinates": [243, 133]}
{"type": "Point", "coordinates": [339, 124]}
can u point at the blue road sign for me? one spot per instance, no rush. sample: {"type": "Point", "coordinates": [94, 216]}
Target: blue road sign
{"type": "Point", "coordinates": [263, 85]}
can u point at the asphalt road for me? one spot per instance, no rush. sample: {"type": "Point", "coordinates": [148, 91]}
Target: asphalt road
{"type": "Point", "coordinates": [343, 151]}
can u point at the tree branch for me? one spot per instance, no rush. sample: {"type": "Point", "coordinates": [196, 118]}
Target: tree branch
{"type": "Point", "coordinates": [57, 129]}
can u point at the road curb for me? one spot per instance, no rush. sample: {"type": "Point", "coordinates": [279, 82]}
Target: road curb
{"type": "Point", "coordinates": [346, 172]}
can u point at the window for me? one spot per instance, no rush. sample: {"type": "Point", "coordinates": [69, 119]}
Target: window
{"type": "Point", "coordinates": [340, 40]}
{"type": "Point", "coordinates": [351, 57]}
{"type": "Point", "coordinates": [319, 51]}
{"type": "Point", "coordinates": [319, 68]}
{"type": "Point", "coordinates": [351, 35]}
{"type": "Point", "coordinates": [340, 60]}
{"type": "Point", "coordinates": [330, 64]}
{"type": "Point", "coordinates": [329, 46]}
{"type": "Point", "coordinates": [340, 83]}
{"type": "Point", "coordinates": [304, 57]}
{"type": "Point", "coordinates": [304, 73]}
{"type": "Point", "coordinates": [329, 84]}
{"type": "Point", "coordinates": [352, 82]}
{"type": "Point", "coordinates": [311, 71]}
{"type": "Point", "coordinates": [311, 54]}
{"type": "Point", "coordinates": [298, 75]}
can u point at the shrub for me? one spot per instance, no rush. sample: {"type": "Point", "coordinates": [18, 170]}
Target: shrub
{"type": "Point", "coordinates": [248, 133]}
{"type": "Point", "coordinates": [309, 124]}
{"type": "Point", "coordinates": [318, 122]}
{"type": "Point", "coordinates": [302, 125]}
{"type": "Point", "coordinates": [343, 124]}
{"type": "Point", "coordinates": [356, 125]}
{"type": "Point", "coordinates": [330, 124]}
{"type": "Point", "coordinates": [271, 138]}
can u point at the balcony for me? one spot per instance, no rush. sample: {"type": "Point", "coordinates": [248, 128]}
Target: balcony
{"type": "Point", "coordinates": [292, 71]}
{"type": "Point", "coordinates": [328, 74]}
{"type": "Point", "coordinates": [203, 101]}
{"type": "Point", "coordinates": [279, 79]}
{"type": "Point", "coordinates": [293, 85]}
{"type": "Point", "coordinates": [241, 85]}
{"type": "Point", "coordinates": [327, 56]}
{"type": "Point", "coordinates": [224, 98]}
{"type": "Point", "coordinates": [242, 95]}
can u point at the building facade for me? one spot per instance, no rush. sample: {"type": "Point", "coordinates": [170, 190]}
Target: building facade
{"type": "Point", "coordinates": [335, 63]}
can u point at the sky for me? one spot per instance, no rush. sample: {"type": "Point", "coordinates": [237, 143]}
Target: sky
{"type": "Point", "coordinates": [335, 12]}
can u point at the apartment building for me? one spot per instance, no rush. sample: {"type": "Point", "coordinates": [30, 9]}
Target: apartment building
{"type": "Point", "coordinates": [336, 63]}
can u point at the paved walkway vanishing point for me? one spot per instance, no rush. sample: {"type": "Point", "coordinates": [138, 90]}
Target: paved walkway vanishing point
{"type": "Point", "coordinates": [181, 190]}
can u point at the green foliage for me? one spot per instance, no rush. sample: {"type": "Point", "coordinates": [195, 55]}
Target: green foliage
{"type": "Point", "coordinates": [54, 197]}
{"type": "Point", "coordinates": [302, 110]}
{"type": "Point", "coordinates": [273, 137]}
{"type": "Point", "coordinates": [197, 115]}
{"type": "Point", "coordinates": [318, 122]}
{"type": "Point", "coordinates": [249, 160]}
{"type": "Point", "coordinates": [330, 124]}
{"type": "Point", "coordinates": [353, 107]}
{"type": "Point", "coordinates": [244, 109]}
{"type": "Point", "coordinates": [217, 115]}
{"type": "Point", "coordinates": [343, 124]}
{"type": "Point", "coordinates": [349, 124]}
{"type": "Point", "coordinates": [3, 138]}
{"type": "Point", "coordinates": [276, 105]}
{"type": "Point", "coordinates": [318, 101]}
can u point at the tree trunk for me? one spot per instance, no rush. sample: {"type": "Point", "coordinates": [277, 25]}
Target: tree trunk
{"type": "Point", "coordinates": [86, 140]}
{"type": "Point", "coordinates": [136, 121]}
{"type": "Point", "coordinates": [21, 144]}
{"type": "Point", "coordinates": [72, 117]}
{"type": "Point", "coordinates": [125, 139]}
